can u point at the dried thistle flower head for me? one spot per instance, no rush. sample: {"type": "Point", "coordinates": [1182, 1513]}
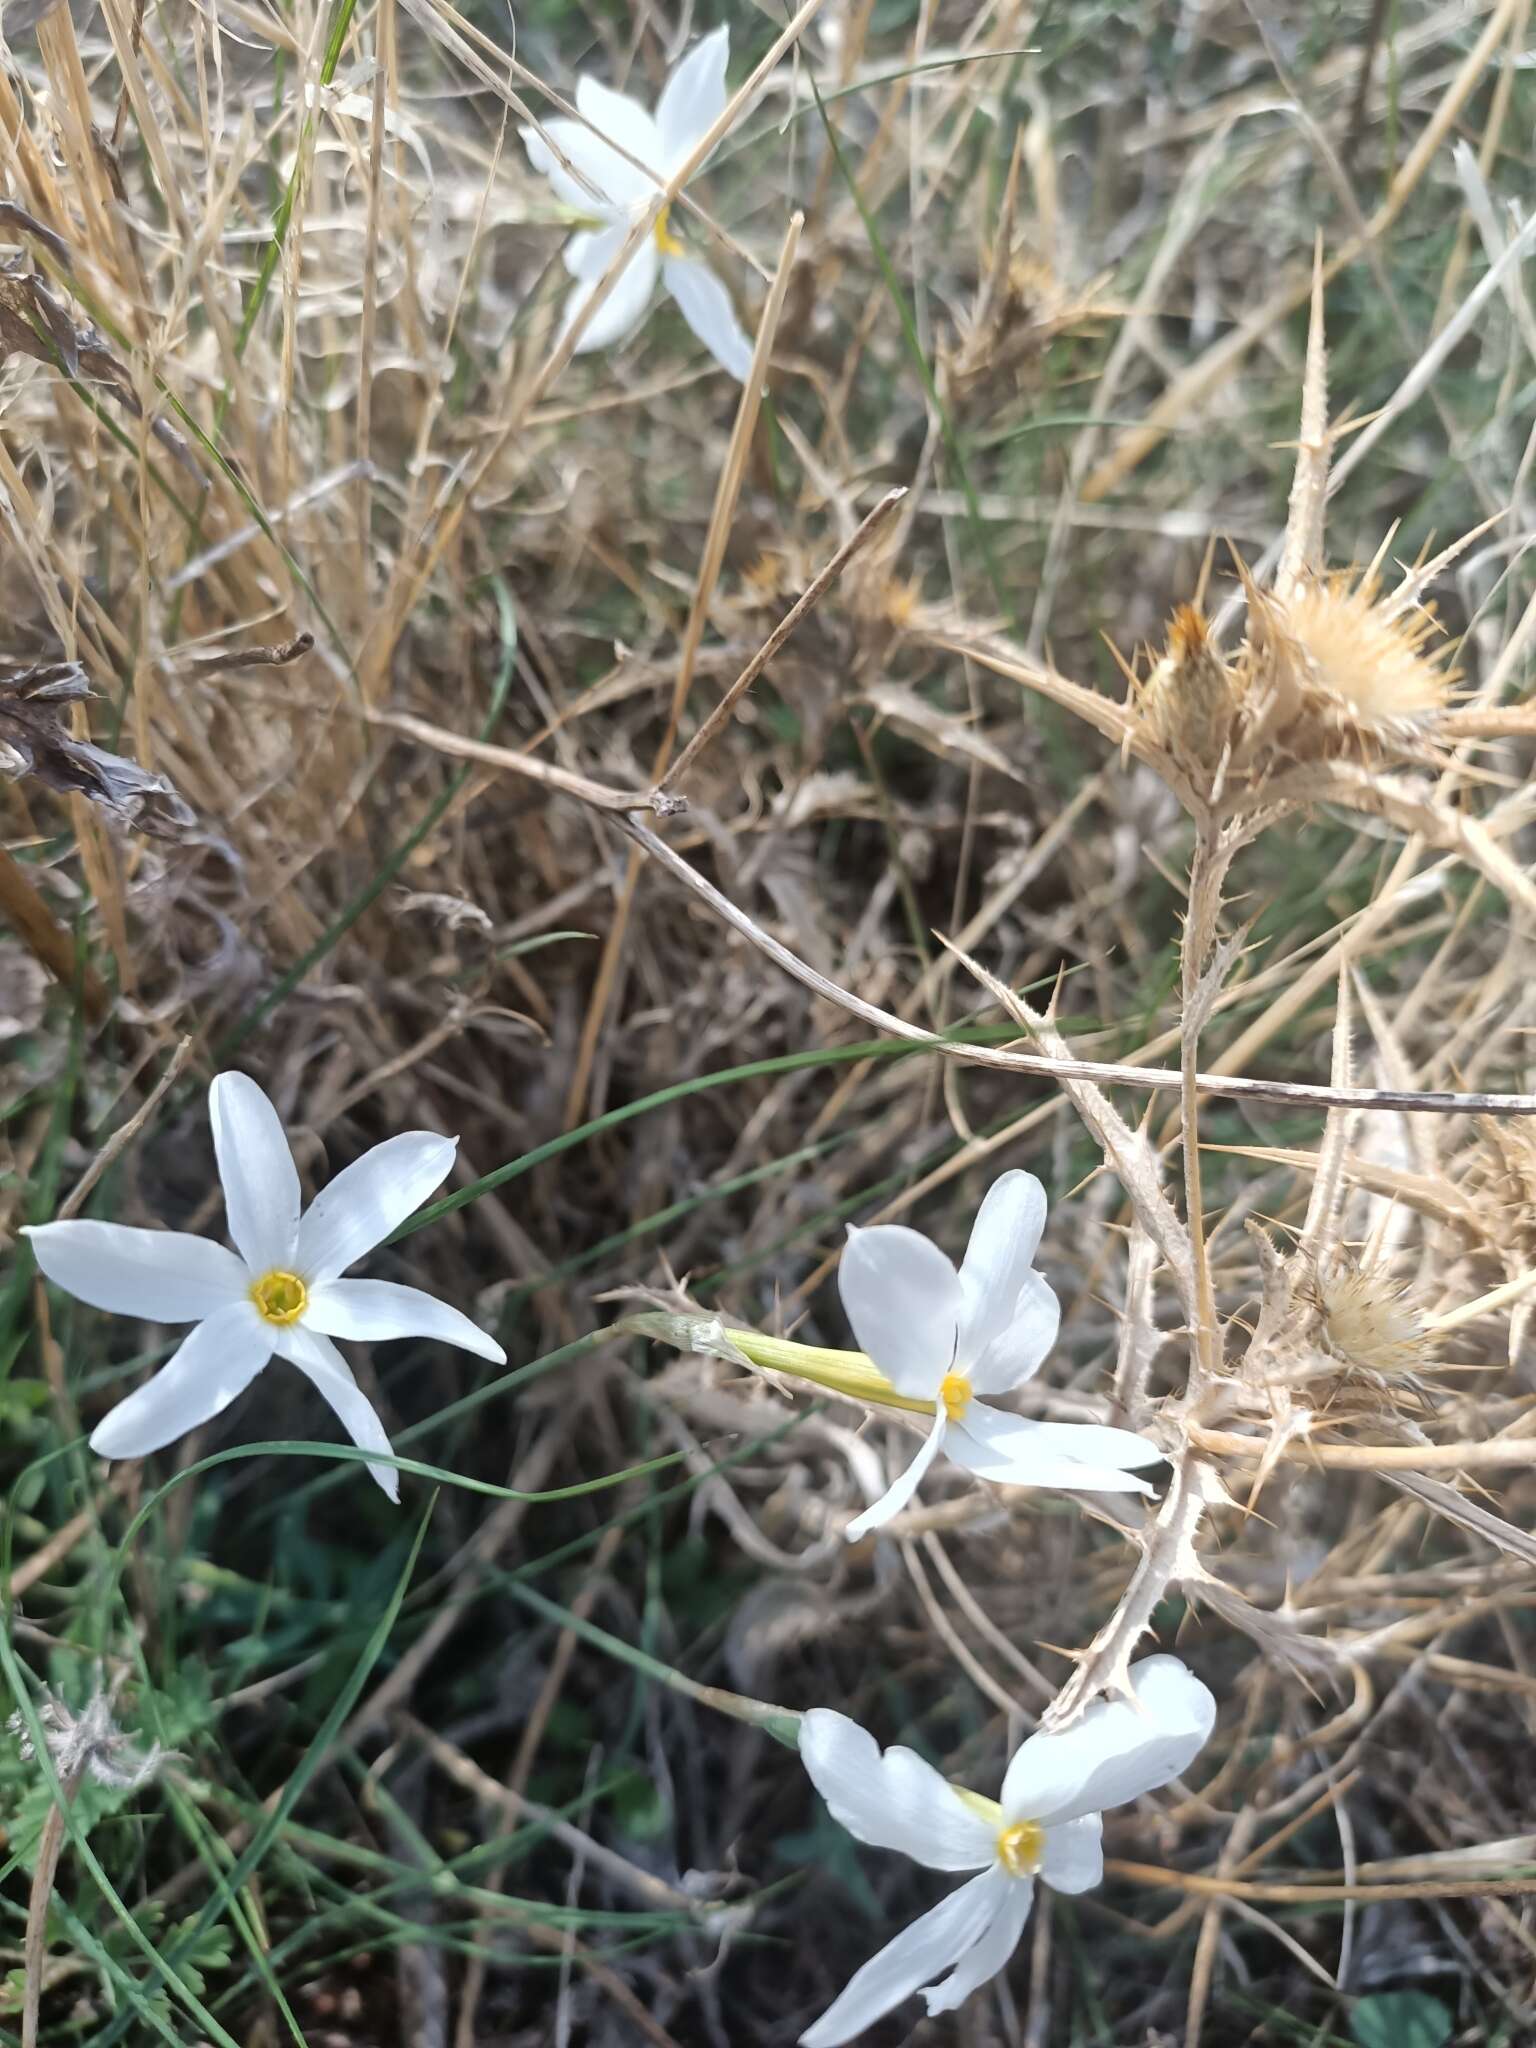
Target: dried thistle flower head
{"type": "Point", "coordinates": [1338, 689]}
{"type": "Point", "coordinates": [1024, 306]}
{"type": "Point", "coordinates": [1188, 700]}
{"type": "Point", "coordinates": [1336, 667]}
{"type": "Point", "coordinates": [88, 1743]}
{"type": "Point", "coordinates": [1368, 1320]}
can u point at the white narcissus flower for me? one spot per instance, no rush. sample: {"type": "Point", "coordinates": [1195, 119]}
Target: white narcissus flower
{"type": "Point", "coordinates": [945, 1337]}
{"type": "Point", "coordinates": [1047, 1826]}
{"type": "Point", "coordinates": [691, 102]}
{"type": "Point", "coordinates": [279, 1291]}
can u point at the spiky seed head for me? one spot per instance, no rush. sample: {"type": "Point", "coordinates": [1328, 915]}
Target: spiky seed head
{"type": "Point", "coordinates": [1368, 1320]}
{"type": "Point", "coordinates": [1336, 665]}
{"type": "Point", "coordinates": [1188, 699]}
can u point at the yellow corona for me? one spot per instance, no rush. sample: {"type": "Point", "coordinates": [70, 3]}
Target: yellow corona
{"type": "Point", "coordinates": [280, 1298]}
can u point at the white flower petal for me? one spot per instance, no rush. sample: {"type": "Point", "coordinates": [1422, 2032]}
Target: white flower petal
{"type": "Point", "coordinates": [261, 1182]}
{"type": "Point", "coordinates": [1117, 1751]}
{"type": "Point", "coordinates": [1072, 1857]}
{"type": "Point", "coordinates": [373, 1311]}
{"type": "Point", "coordinates": [589, 254]}
{"type": "Point", "coordinates": [986, 1957]}
{"type": "Point", "coordinates": [214, 1363]}
{"type": "Point", "coordinates": [924, 1950]}
{"type": "Point", "coordinates": [891, 1798]}
{"type": "Point", "coordinates": [706, 305]}
{"type": "Point", "coordinates": [615, 184]}
{"type": "Point", "coordinates": [165, 1276]}
{"type": "Point", "coordinates": [896, 1496]}
{"type": "Point", "coordinates": [1016, 1353]}
{"type": "Point", "coordinates": [367, 1199]}
{"type": "Point", "coordinates": [619, 119]}
{"type": "Point", "coordinates": [623, 309]}
{"type": "Point", "coordinates": [693, 98]}
{"type": "Point", "coordinates": [902, 1297]}
{"type": "Point", "coordinates": [1087, 1443]}
{"type": "Point", "coordinates": [1013, 1450]}
{"type": "Point", "coordinates": [326, 1370]}
{"type": "Point", "coordinates": [1004, 1239]}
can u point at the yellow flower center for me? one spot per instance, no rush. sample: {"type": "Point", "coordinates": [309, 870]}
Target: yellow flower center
{"type": "Point", "coordinates": [280, 1297]}
{"type": "Point", "coordinates": [1019, 1846]}
{"type": "Point", "coordinates": [954, 1395]}
{"type": "Point", "coordinates": [666, 241]}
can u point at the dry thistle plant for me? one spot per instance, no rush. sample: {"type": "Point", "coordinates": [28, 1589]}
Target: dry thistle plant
{"type": "Point", "coordinates": [1321, 1351]}
{"type": "Point", "coordinates": [578, 752]}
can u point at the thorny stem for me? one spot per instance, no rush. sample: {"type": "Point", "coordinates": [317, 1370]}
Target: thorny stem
{"type": "Point", "coordinates": [1312, 1894]}
{"type": "Point", "coordinates": [1211, 858]}
{"type": "Point", "coordinates": [35, 1949]}
{"type": "Point", "coordinates": [1484, 1454]}
{"type": "Point", "coordinates": [1167, 1556]}
{"type": "Point", "coordinates": [1168, 1548]}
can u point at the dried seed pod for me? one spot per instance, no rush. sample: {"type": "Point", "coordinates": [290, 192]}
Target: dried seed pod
{"type": "Point", "coordinates": [1188, 701]}
{"type": "Point", "coordinates": [1368, 1320]}
{"type": "Point", "coordinates": [1336, 668]}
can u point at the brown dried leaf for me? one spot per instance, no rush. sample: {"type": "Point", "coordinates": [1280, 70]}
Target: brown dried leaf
{"type": "Point", "coordinates": [34, 323]}
{"type": "Point", "coordinates": [1004, 659]}
{"type": "Point", "coordinates": [1466, 1514]}
{"type": "Point", "coordinates": [1277, 1635]}
{"type": "Point", "coordinates": [950, 734]}
{"type": "Point", "coordinates": [1431, 1194]}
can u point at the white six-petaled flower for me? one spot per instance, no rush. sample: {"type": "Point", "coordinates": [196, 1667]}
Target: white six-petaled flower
{"type": "Point", "coordinates": [946, 1337]}
{"type": "Point", "coordinates": [617, 190]}
{"type": "Point", "coordinates": [279, 1291]}
{"type": "Point", "coordinates": [1046, 1826]}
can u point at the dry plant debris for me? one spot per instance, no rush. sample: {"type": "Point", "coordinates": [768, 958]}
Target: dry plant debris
{"type": "Point", "coordinates": [1046, 716]}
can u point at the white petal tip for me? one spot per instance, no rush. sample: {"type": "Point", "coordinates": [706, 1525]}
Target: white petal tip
{"type": "Point", "coordinates": [388, 1479]}
{"type": "Point", "coordinates": [866, 1524]}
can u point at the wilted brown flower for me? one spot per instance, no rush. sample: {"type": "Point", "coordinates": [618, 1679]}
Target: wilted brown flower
{"type": "Point", "coordinates": [35, 739]}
